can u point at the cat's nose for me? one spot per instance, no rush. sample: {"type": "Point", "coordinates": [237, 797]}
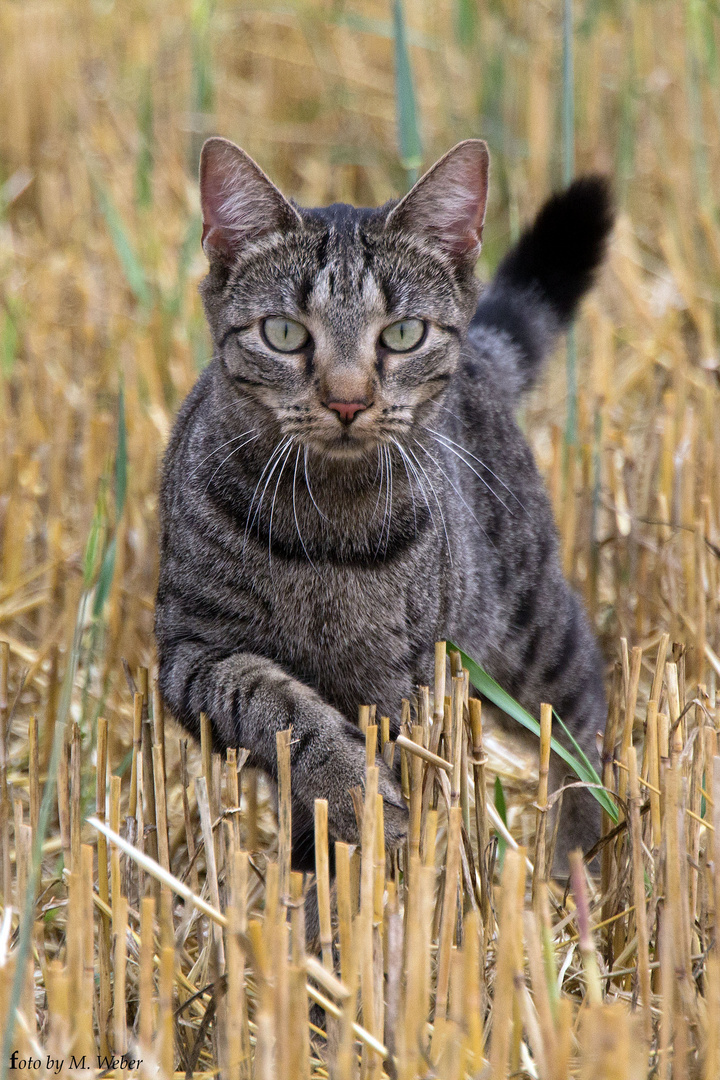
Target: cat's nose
{"type": "Point", "coordinates": [347, 410]}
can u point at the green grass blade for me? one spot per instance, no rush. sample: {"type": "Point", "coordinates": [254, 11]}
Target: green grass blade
{"type": "Point", "coordinates": [190, 244]}
{"type": "Point", "coordinates": [580, 765]}
{"type": "Point", "coordinates": [568, 148]}
{"type": "Point", "coordinates": [409, 144]}
{"type": "Point", "coordinates": [203, 87]}
{"type": "Point", "coordinates": [104, 582]}
{"type": "Point", "coordinates": [9, 342]}
{"type": "Point", "coordinates": [92, 547]}
{"type": "Point", "coordinates": [568, 94]}
{"type": "Point", "coordinates": [501, 807]}
{"type": "Point", "coordinates": [466, 16]}
{"type": "Point", "coordinates": [132, 267]}
{"type": "Point", "coordinates": [382, 28]}
{"type": "Point", "coordinates": [121, 458]}
{"type": "Point", "coordinates": [144, 167]}
{"type": "Point", "coordinates": [202, 81]}
{"type": "Point", "coordinates": [578, 750]}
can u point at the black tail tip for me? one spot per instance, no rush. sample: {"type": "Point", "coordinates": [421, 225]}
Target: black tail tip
{"type": "Point", "coordinates": [560, 252]}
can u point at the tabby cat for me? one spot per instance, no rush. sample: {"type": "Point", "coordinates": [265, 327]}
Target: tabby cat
{"type": "Point", "coordinates": [347, 484]}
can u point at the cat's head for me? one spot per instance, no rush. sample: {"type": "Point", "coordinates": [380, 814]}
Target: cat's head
{"type": "Point", "coordinates": [341, 325]}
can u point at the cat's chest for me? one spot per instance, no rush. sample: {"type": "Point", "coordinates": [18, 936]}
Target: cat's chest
{"type": "Point", "coordinates": [350, 632]}
{"type": "Point", "coordinates": [331, 606]}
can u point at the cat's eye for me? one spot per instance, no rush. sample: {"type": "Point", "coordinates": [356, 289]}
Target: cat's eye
{"type": "Point", "coordinates": [285, 335]}
{"type": "Point", "coordinates": [404, 335]}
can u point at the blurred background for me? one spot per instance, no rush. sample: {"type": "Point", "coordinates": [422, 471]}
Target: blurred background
{"type": "Point", "coordinates": [104, 109]}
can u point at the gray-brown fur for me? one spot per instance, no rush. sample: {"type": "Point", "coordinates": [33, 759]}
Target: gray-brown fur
{"type": "Point", "coordinates": [291, 592]}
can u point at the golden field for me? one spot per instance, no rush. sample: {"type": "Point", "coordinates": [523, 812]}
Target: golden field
{"type": "Point", "coordinates": [104, 109]}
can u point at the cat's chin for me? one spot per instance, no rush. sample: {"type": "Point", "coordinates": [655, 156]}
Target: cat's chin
{"type": "Point", "coordinates": [344, 447]}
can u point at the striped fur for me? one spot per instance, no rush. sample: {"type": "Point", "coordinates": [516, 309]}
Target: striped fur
{"type": "Point", "coordinates": [306, 566]}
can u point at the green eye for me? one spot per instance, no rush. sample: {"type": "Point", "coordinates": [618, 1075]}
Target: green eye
{"type": "Point", "coordinates": [404, 335]}
{"type": "Point", "coordinates": [285, 335]}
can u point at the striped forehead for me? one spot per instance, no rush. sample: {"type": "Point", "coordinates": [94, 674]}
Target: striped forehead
{"type": "Point", "coordinates": [344, 282]}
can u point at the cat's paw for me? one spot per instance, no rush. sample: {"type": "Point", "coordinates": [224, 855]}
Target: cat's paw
{"type": "Point", "coordinates": [395, 811]}
{"type": "Point", "coordinates": [345, 770]}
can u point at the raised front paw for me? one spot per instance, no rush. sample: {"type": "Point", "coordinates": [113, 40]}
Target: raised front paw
{"type": "Point", "coordinates": [344, 769]}
{"type": "Point", "coordinates": [395, 811]}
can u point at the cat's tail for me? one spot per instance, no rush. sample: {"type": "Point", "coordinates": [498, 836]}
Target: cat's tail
{"type": "Point", "coordinates": [540, 282]}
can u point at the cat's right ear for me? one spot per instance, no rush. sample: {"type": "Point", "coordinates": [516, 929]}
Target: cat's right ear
{"type": "Point", "coordinates": [239, 202]}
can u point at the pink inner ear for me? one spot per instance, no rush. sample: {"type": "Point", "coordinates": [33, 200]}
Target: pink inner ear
{"type": "Point", "coordinates": [239, 203]}
{"type": "Point", "coordinates": [448, 202]}
{"type": "Point", "coordinates": [462, 210]}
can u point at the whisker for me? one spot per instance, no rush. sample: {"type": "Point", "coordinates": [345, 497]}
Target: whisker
{"type": "Point", "coordinates": [383, 450]}
{"type": "Point", "coordinates": [272, 504]}
{"type": "Point", "coordinates": [481, 462]}
{"type": "Point", "coordinates": [297, 523]}
{"type": "Point", "coordinates": [455, 416]}
{"type": "Point", "coordinates": [492, 491]}
{"type": "Point", "coordinates": [377, 467]}
{"type": "Point", "coordinates": [390, 497]}
{"type": "Point", "coordinates": [279, 446]}
{"type": "Point", "coordinates": [381, 469]}
{"type": "Point", "coordinates": [435, 496]}
{"type": "Point", "coordinates": [456, 490]}
{"type": "Point", "coordinates": [258, 508]}
{"type": "Point", "coordinates": [419, 482]}
{"type": "Point", "coordinates": [217, 451]}
{"type": "Point", "coordinates": [225, 459]}
{"type": "Point", "coordinates": [410, 484]}
{"type": "Point", "coordinates": [307, 485]}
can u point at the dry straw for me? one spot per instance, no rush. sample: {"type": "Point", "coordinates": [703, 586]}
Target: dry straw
{"type": "Point", "coordinates": [412, 972]}
{"type": "Point", "coordinates": [182, 941]}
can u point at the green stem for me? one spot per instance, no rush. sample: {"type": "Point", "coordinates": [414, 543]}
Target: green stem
{"type": "Point", "coordinates": [568, 94]}
{"type": "Point", "coordinates": [568, 163]}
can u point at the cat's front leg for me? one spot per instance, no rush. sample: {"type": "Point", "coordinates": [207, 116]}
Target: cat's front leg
{"type": "Point", "coordinates": [248, 699]}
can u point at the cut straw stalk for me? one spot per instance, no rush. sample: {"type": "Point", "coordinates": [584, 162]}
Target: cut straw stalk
{"type": "Point", "coordinates": [458, 735]}
{"type": "Point", "coordinates": [201, 796]}
{"type": "Point", "coordinates": [629, 719]}
{"type": "Point", "coordinates": [416, 748]}
{"type": "Point", "coordinates": [542, 994]}
{"type": "Point", "coordinates": [282, 739]}
{"type": "Point", "coordinates": [511, 902]}
{"type": "Point", "coordinates": [313, 967]}
{"type": "Point", "coordinates": [238, 1035]}
{"type": "Point", "coordinates": [643, 960]}
{"type": "Point", "coordinates": [447, 925]}
{"type": "Point", "coordinates": [585, 941]}
{"type": "Point", "coordinates": [439, 683]}
{"type": "Point", "coordinates": [480, 785]}
{"type": "Point", "coordinates": [367, 909]}
{"type": "Point", "coordinates": [104, 966]}
{"type": "Point", "coordinates": [412, 1034]}
{"type": "Point", "coordinates": [145, 974]}
{"type": "Point", "coordinates": [322, 874]}
{"type": "Point", "coordinates": [344, 910]}
{"type": "Point", "coordinates": [542, 798]}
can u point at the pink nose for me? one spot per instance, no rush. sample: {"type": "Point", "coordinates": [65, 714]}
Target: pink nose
{"type": "Point", "coordinates": [347, 410]}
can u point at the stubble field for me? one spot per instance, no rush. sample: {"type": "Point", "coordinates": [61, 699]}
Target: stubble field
{"type": "Point", "coordinates": [457, 960]}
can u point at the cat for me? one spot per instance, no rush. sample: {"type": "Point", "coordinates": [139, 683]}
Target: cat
{"type": "Point", "coordinates": [347, 484]}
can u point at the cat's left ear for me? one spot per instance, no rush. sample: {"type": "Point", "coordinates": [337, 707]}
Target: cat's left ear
{"type": "Point", "coordinates": [447, 204]}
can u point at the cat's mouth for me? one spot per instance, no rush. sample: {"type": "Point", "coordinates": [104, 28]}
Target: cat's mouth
{"type": "Point", "coordinates": [344, 443]}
